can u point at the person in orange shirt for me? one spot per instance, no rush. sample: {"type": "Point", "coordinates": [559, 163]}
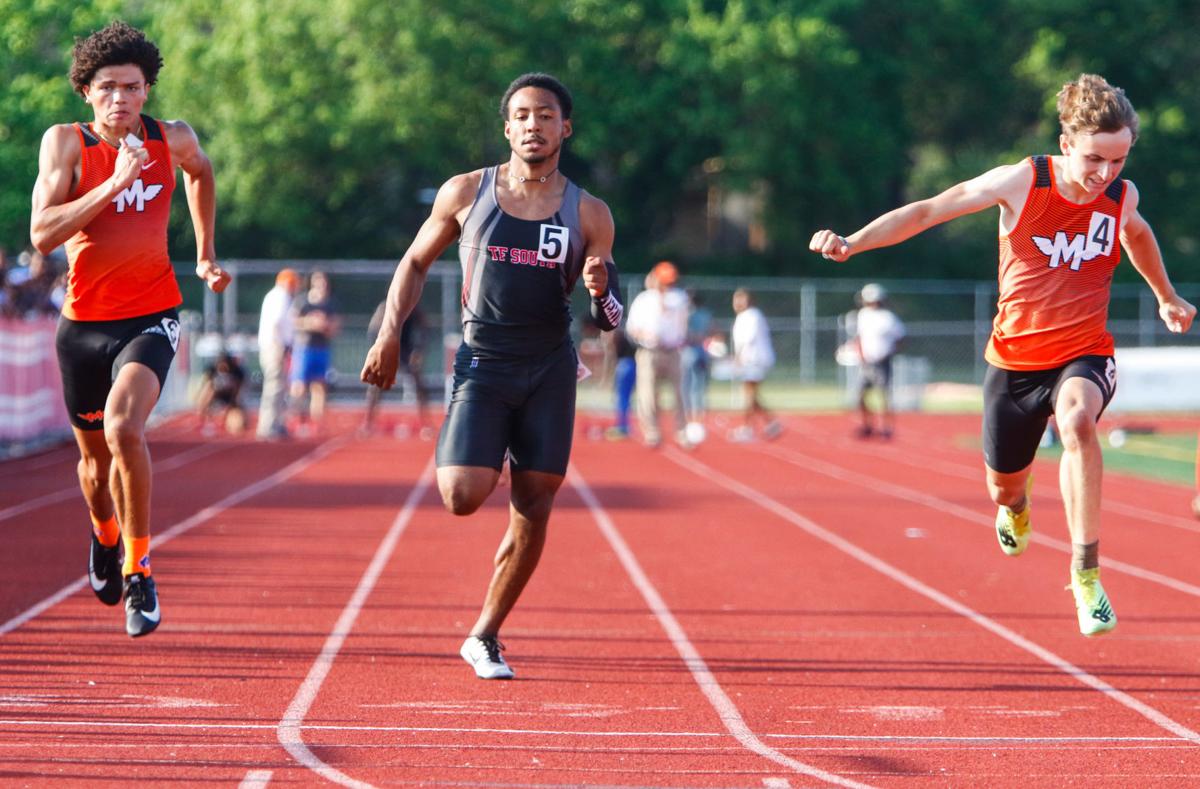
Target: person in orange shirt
{"type": "Point", "coordinates": [1050, 352]}
{"type": "Point", "coordinates": [104, 189]}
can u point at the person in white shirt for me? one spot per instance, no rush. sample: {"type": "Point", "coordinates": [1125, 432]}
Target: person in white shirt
{"type": "Point", "coordinates": [878, 333]}
{"type": "Point", "coordinates": [275, 332]}
{"type": "Point", "coordinates": [753, 357]}
{"type": "Point", "coordinates": [658, 325]}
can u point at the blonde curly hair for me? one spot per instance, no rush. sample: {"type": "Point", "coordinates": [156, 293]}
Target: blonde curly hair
{"type": "Point", "coordinates": [1090, 105]}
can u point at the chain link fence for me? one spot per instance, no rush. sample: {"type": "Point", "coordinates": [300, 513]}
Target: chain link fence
{"type": "Point", "coordinates": [948, 323]}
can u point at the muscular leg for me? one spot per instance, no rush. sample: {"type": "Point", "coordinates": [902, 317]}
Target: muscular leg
{"type": "Point", "coordinates": [516, 559]}
{"type": "Point", "coordinates": [95, 465]}
{"type": "Point", "coordinates": [1081, 470]}
{"type": "Point", "coordinates": [129, 404]}
{"type": "Point", "coordinates": [1008, 490]}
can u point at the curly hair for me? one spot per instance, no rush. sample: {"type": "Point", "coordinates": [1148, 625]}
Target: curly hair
{"type": "Point", "coordinates": [1090, 105]}
{"type": "Point", "coordinates": [539, 80]}
{"type": "Point", "coordinates": [116, 45]}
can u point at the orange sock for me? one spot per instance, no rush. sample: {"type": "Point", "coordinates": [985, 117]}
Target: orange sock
{"type": "Point", "coordinates": [137, 556]}
{"type": "Point", "coordinates": [107, 532]}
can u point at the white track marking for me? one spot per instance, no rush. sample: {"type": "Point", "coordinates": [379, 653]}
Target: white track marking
{"type": "Point", "coordinates": [256, 779]}
{"type": "Point", "coordinates": [289, 728]}
{"type": "Point", "coordinates": [174, 531]}
{"type": "Point", "coordinates": [720, 701]}
{"type": "Point", "coordinates": [904, 579]}
{"type": "Point", "coordinates": [961, 470]}
{"type": "Point", "coordinates": [65, 494]}
{"type": "Point", "coordinates": [99, 726]}
{"type": "Point", "coordinates": [950, 508]}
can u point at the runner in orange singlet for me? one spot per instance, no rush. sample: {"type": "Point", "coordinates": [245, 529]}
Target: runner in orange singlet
{"type": "Point", "coordinates": [104, 189]}
{"type": "Point", "coordinates": [1050, 352]}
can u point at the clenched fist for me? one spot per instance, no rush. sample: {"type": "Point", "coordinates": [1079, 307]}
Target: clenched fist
{"type": "Point", "coordinates": [595, 276]}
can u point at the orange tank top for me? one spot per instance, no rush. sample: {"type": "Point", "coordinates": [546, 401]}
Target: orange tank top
{"type": "Point", "coordinates": [119, 266]}
{"type": "Point", "coordinates": [1056, 270]}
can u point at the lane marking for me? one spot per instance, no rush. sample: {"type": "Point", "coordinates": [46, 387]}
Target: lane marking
{"type": "Point", "coordinates": [965, 513]}
{"type": "Point", "coordinates": [99, 724]}
{"type": "Point", "coordinates": [952, 468]}
{"type": "Point", "coordinates": [256, 779]}
{"type": "Point", "coordinates": [186, 525]}
{"type": "Point", "coordinates": [289, 730]}
{"type": "Point", "coordinates": [726, 710]}
{"type": "Point", "coordinates": [904, 579]}
{"type": "Point", "coordinates": [55, 496]}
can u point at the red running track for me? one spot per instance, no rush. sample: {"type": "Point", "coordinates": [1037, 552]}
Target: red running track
{"type": "Point", "coordinates": [813, 611]}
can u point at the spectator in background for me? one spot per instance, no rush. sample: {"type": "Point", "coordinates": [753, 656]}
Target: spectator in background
{"type": "Point", "coordinates": [695, 365]}
{"type": "Point", "coordinates": [623, 363]}
{"type": "Point", "coordinates": [31, 298]}
{"type": "Point", "coordinates": [878, 334]}
{"type": "Point", "coordinates": [275, 334]}
{"type": "Point", "coordinates": [316, 325]}
{"type": "Point", "coordinates": [753, 357]}
{"type": "Point", "coordinates": [412, 340]}
{"type": "Point", "coordinates": [657, 324]}
{"type": "Point", "coordinates": [220, 398]}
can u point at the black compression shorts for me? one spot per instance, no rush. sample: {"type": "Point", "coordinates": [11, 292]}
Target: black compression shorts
{"type": "Point", "coordinates": [526, 406]}
{"type": "Point", "coordinates": [90, 353]}
{"type": "Point", "coordinates": [1018, 403]}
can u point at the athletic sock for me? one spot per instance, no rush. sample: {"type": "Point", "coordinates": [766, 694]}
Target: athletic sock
{"type": "Point", "coordinates": [137, 556]}
{"type": "Point", "coordinates": [1085, 557]}
{"type": "Point", "coordinates": [107, 532]}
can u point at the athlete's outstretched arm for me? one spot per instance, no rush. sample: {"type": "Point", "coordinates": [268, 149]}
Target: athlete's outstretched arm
{"type": "Point", "coordinates": [1139, 242]}
{"type": "Point", "coordinates": [599, 271]}
{"type": "Point", "coordinates": [441, 228]}
{"type": "Point", "coordinates": [201, 189]}
{"type": "Point", "coordinates": [1006, 185]}
{"type": "Point", "coordinates": [55, 216]}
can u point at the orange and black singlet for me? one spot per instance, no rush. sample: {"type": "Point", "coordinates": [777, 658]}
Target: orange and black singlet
{"type": "Point", "coordinates": [1056, 270]}
{"type": "Point", "coordinates": [119, 266]}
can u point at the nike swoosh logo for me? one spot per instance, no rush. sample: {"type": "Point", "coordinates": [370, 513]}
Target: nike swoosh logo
{"type": "Point", "coordinates": [97, 583]}
{"type": "Point", "coordinates": [150, 164]}
{"type": "Point", "coordinates": [154, 615]}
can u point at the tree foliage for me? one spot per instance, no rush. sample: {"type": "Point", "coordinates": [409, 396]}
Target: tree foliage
{"type": "Point", "coordinates": [328, 120]}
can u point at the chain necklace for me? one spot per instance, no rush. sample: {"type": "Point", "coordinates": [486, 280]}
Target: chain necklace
{"type": "Point", "coordinates": [522, 179]}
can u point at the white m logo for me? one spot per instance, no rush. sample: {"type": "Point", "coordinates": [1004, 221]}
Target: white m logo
{"type": "Point", "coordinates": [137, 195]}
{"type": "Point", "coordinates": [1098, 241]}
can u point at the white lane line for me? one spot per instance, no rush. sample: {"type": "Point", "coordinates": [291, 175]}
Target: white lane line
{"type": "Point", "coordinates": [183, 526]}
{"type": "Point", "coordinates": [896, 574]}
{"type": "Point", "coordinates": [256, 779]}
{"type": "Point", "coordinates": [726, 710]}
{"type": "Point", "coordinates": [961, 470]}
{"type": "Point", "coordinates": [967, 514]}
{"type": "Point", "coordinates": [98, 725]}
{"type": "Point", "coordinates": [55, 496]}
{"type": "Point", "coordinates": [289, 728]}
{"type": "Point", "coordinates": [777, 783]}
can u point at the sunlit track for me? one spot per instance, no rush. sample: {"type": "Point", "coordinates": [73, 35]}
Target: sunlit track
{"type": "Point", "coordinates": [180, 528]}
{"type": "Point", "coordinates": [171, 463]}
{"type": "Point", "coordinates": [720, 700]}
{"type": "Point", "coordinates": [875, 483]}
{"type": "Point", "coordinates": [766, 502]}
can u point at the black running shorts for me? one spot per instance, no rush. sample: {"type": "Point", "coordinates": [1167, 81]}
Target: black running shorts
{"type": "Point", "coordinates": [525, 406]}
{"type": "Point", "coordinates": [90, 353]}
{"type": "Point", "coordinates": [1018, 403]}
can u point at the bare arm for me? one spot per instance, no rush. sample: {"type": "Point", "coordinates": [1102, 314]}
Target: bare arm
{"type": "Point", "coordinates": [599, 270]}
{"type": "Point", "coordinates": [201, 189]}
{"type": "Point", "coordinates": [1139, 242]}
{"type": "Point", "coordinates": [441, 228]}
{"type": "Point", "coordinates": [1006, 186]}
{"type": "Point", "coordinates": [55, 217]}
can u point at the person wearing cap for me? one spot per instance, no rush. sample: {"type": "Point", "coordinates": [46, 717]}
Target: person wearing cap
{"type": "Point", "coordinates": [275, 333]}
{"type": "Point", "coordinates": [658, 325]}
{"type": "Point", "coordinates": [878, 333]}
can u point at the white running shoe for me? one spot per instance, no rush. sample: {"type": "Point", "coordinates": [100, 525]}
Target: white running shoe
{"type": "Point", "coordinates": [483, 655]}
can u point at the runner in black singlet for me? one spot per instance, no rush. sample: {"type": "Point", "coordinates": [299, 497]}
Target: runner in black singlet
{"type": "Point", "coordinates": [526, 235]}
